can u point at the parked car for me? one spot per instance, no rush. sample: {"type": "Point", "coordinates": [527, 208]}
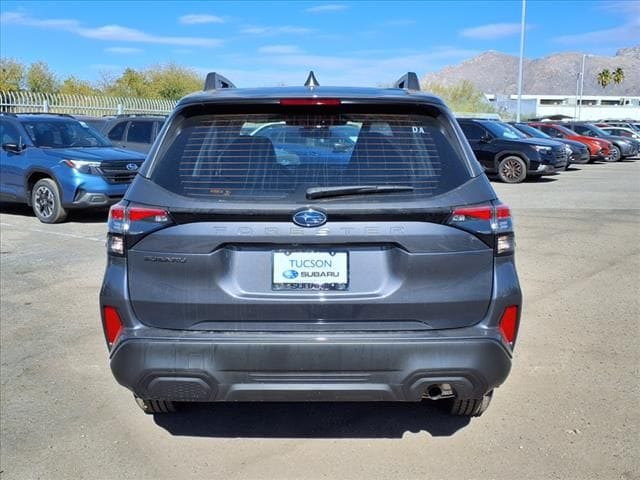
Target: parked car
{"type": "Point", "coordinates": [621, 146]}
{"type": "Point", "coordinates": [297, 144]}
{"type": "Point", "coordinates": [504, 151]}
{"type": "Point", "coordinates": [619, 131]}
{"type": "Point", "coordinates": [133, 132]}
{"type": "Point", "coordinates": [579, 153]}
{"type": "Point", "coordinates": [232, 277]}
{"type": "Point", "coordinates": [96, 122]}
{"type": "Point", "coordinates": [54, 163]}
{"type": "Point", "coordinates": [599, 149]}
{"type": "Point", "coordinates": [635, 126]}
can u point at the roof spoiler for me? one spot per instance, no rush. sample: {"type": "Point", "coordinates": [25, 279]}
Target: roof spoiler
{"type": "Point", "coordinates": [216, 81]}
{"type": "Point", "coordinates": [409, 81]}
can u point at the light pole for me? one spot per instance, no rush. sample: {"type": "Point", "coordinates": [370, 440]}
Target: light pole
{"type": "Point", "coordinates": [575, 108]}
{"type": "Point", "coordinates": [520, 67]}
{"type": "Point", "coordinates": [584, 57]}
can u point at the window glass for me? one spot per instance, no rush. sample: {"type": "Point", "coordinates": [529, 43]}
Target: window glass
{"type": "Point", "coordinates": [63, 134]}
{"type": "Point", "coordinates": [500, 130]}
{"type": "Point", "coordinates": [472, 131]}
{"type": "Point", "coordinates": [284, 154]}
{"type": "Point", "coordinates": [9, 134]}
{"type": "Point", "coordinates": [140, 131]}
{"type": "Point", "coordinates": [117, 132]}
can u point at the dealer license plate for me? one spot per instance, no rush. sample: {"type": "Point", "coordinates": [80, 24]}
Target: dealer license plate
{"type": "Point", "coordinates": [310, 270]}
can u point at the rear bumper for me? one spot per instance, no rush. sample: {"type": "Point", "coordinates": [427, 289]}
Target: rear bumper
{"type": "Point", "coordinates": [293, 367]}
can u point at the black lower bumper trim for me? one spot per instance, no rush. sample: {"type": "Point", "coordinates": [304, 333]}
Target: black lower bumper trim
{"type": "Point", "coordinates": [313, 370]}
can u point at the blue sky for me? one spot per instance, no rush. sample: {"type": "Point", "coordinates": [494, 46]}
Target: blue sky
{"type": "Point", "coordinates": [269, 43]}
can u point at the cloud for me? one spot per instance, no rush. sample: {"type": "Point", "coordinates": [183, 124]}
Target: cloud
{"type": "Point", "coordinates": [274, 30]}
{"type": "Point", "coordinates": [123, 50]}
{"type": "Point", "coordinates": [327, 7]}
{"type": "Point", "coordinates": [279, 49]}
{"type": "Point", "coordinates": [491, 31]}
{"type": "Point", "coordinates": [626, 34]}
{"type": "Point", "coordinates": [111, 33]}
{"type": "Point", "coordinates": [17, 18]}
{"type": "Point", "coordinates": [125, 34]}
{"type": "Point", "coordinates": [196, 19]}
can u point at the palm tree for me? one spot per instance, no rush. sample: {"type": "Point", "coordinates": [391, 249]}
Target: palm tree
{"type": "Point", "coordinates": [604, 78]}
{"type": "Point", "coordinates": [618, 75]}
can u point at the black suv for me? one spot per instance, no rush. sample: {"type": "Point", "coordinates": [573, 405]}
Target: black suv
{"type": "Point", "coordinates": [311, 268]}
{"type": "Point", "coordinates": [504, 151]}
{"type": "Point", "coordinates": [133, 132]}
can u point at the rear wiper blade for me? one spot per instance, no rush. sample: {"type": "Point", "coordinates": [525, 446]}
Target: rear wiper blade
{"type": "Point", "coordinates": [324, 192]}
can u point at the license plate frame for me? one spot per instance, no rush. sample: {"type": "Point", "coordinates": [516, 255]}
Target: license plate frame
{"type": "Point", "coordinates": [336, 276]}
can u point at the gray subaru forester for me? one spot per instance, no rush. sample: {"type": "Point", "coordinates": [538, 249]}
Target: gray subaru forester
{"type": "Point", "coordinates": [311, 244]}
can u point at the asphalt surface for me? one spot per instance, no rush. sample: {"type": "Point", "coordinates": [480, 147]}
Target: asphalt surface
{"type": "Point", "coordinates": [570, 409]}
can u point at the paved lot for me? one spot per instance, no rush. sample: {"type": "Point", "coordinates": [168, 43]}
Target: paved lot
{"type": "Point", "coordinates": [569, 410]}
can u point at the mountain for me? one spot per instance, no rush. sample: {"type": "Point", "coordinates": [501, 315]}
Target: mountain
{"type": "Point", "coordinates": [495, 72]}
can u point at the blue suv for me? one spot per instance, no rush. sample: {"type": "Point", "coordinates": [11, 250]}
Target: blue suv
{"type": "Point", "coordinates": [55, 163]}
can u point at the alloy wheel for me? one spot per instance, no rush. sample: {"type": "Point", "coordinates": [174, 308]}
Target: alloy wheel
{"type": "Point", "coordinates": [45, 201]}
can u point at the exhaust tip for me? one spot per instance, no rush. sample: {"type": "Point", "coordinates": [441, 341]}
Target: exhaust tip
{"type": "Point", "coordinates": [434, 392]}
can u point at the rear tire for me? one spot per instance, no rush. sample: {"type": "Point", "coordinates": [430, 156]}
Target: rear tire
{"type": "Point", "coordinates": [615, 154]}
{"type": "Point", "coordinates": [512, 169]}
{"type": "Point", "coordinates": [471, 407]}
{"type": "Point", "coordinates": [47, 202]}
{"type": "Point", "coordinates": [155, 406]}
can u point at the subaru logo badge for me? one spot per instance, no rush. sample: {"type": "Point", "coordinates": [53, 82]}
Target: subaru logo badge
{"type": "Point", "coordinates": [290, 274]}
{"type": "Point", "coordinates": [309, 218]}
{"type": "Point", "coordinates": [131, 166]}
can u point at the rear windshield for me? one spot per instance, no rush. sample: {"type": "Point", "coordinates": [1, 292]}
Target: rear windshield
{"type": "Point", "coordinates": [280, 156]}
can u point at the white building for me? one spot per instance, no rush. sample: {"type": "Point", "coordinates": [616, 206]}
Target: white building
{"type": "Point", "coordinates": [592, 107]}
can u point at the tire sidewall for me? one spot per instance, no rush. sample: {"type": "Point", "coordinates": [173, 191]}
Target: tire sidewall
{"type": "Point", "coordinates": [58, 214]}
{"type": "Point", "coordinates": [519, 179]}
{"type": "Point", "coordinates": [615, 148]}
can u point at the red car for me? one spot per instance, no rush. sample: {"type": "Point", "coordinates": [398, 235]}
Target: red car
{"type": "Point", "coordinates": [599, 149]}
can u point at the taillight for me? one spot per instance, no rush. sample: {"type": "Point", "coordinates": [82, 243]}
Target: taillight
{"type": "Point", "coordinates": [112, 324]}
{"type": "Point", "coordinates": [509, 324]}
{"type": "Point", "coordinates": [128, 223]}
{"type": "Point", "coordinates": [491, 223]}
{"type": "Point", "coordinates": [302, 102]}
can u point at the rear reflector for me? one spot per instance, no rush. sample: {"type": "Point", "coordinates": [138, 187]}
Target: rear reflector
{"type": "Point", "coordinates": [112, 324]}
{"type": "Point", "coordinates": [502, 211]}
{"type": "Point", "coordinates": [310, 101]}
{"type": "Point", "coordinates": [509, 324]}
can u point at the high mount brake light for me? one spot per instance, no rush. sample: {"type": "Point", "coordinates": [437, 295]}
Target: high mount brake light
{"type": "Point", "coordinates": [493, 224]}
{"type": "Point", "coordinates": [310, 101]}
{"type": "Point", "coordinates": [128, 223]}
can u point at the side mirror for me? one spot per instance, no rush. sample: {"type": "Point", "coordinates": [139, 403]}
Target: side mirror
{"type": "Point", "coordinates": [12, 147]}
{"type": "Point", "coordinates": [485, 138]}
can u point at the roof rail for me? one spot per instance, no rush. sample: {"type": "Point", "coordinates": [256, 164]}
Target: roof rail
{"type": "Point", "coordinates": [215, 81]}
{"type": "Point", "coordinates": [127, 115]}
{"type": "Point", "coordinates": [478, 116]}
{"type": "Point", "coordinates": [409, 81]}
{"type": "Point", "coordinates": [38, 113]}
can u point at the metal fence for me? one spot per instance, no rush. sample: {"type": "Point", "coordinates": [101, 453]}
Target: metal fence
{"type": "Point", "coordinates": [20, 102]}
